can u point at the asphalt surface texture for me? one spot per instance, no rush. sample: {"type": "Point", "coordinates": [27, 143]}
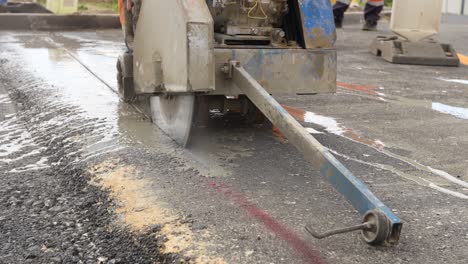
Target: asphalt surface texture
{"type": "Point", "coordinates": [86, 178]}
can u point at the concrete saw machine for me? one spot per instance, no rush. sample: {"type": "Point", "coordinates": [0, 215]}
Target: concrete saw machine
{"type": "Point", "coordinates": [188, 59]}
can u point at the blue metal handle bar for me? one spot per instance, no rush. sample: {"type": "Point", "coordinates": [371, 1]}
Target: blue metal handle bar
{"type": "Point", "coordinates": [357, 194]}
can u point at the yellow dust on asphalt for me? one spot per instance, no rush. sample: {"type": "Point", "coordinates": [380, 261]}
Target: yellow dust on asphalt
{"type": "Point", "coordinates": [140, 209]}
{"type": "Point", "coordinates": [463, 59]}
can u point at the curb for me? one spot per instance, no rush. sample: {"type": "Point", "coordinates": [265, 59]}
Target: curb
{"type": "Point", "coordinates": [11, 21]}
{"type": "Point", "coordinates": [24, 8]}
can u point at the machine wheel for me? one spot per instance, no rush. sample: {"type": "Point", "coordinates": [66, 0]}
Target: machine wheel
{"type": "Point", "coordinates": [177, 114]}
{"type": "Point", "coordinates": [378, 234]}
{"type": "Point", "coordinates": [124, 84]}
{"type": "Point", "coordinates": [174, 115]}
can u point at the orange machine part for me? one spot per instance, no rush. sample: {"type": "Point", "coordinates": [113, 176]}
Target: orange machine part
{"type": "Point", "coordinates": [121, 12]}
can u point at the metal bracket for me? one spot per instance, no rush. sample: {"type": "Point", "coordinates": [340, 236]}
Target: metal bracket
{"type": "Point", "coordinates": [228, 68]}
{"type": "Point", "coordinates": [365, 226]}
{"type": "Point", "coordinates": [374, 229]}
{"type": "Point", "coordinates": [400, 51]}
{"type": "Point", "coordinates": [357, 194]}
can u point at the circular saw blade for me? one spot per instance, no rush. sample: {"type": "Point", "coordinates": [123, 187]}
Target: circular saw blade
{"type": "Point", "coordinates": [174, 115]}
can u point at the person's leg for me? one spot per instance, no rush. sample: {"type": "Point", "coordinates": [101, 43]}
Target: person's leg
{"type": "Point", "coordinates": [339, 9]}
{"type": "Point", "coordinates": [372, 14]}
{"type": "Point", "coordinates": [121, 12]}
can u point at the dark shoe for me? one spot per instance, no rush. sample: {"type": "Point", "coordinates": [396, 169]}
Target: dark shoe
{"type": "Point", "coordinates": [338, 23]}
{"type": "Point", "coordinates": [370, 26]}
{"type": "Point", "coordinates": [338, 13]}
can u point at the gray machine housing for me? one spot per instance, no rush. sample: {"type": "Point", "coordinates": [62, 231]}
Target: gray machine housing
{"type": "Point", "coordinates": [203, 35]}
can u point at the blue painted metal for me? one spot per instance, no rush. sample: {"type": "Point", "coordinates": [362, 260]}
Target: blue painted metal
{"type": "Point", "coordinates": [308, 71]}
{"type": "Point", "coordinates": [268, 68]}
{"type": "Point", "coordinates": [351, 187]}
{"type": "Point", "coordinates": [358, 195]}
{"type": "Point", "coordinates": [317, 23]}
{"type": "Point", "coordinates": [356, 192]}
{"type": "Point", "coordinates": [319, 32]}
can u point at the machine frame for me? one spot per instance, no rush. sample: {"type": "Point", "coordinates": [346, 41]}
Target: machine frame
{"type": "Point", "coordinates": [185, 58]}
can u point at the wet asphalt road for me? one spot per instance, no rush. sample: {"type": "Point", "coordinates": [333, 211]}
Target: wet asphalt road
{"type": "Point", "coordinates": [243, 195]}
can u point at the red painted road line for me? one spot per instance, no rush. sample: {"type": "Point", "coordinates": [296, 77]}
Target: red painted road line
{"type": "Point", "coordinates": [358, 88]}
{"type": "Point", "coordinates": [301, 246]}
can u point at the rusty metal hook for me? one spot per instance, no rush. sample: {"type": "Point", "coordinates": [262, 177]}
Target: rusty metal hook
{"type": "Point", "coordinates": [375, 229]}
{"type": "Point", "coordinates": [363, 226]}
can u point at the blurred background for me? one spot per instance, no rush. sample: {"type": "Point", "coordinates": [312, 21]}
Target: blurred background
{"type": "Point", "coordinates": [459, 7]}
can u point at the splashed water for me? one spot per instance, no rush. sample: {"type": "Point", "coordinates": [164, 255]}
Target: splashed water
{"type": "Point", "coordinates": [17, 144]}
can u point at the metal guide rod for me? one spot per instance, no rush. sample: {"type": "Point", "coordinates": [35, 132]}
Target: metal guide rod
{"type": "Point", "coordinates": [364, 226]}
{"type": "Point", "coordinates": [357, 194]}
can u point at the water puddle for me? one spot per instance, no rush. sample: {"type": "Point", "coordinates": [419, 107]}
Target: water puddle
{"type": "Point", "coordinates": [102, 66]}
{"type": "Point", "coordinates": [17, 144]}
{"type": "Point", "coordinates": [4, 99]}
{"type": "Point", "coordinates": [72, 82]}
{"type": "Point", "coordinates": [98, 55]}
{"type": "Point", "coordinates": [40, 164]}
{"type": "Point", "coordinates": [59, 74]}
{"type": "Point", "coordinates": [83, 77]}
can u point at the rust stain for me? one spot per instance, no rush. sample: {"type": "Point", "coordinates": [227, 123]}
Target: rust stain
{"type": "Point", "coordinates": [297, 113]}
{"type": "Point", "coordinates": [278, 134]}
{"type": "Point", "coordinates": [349, 133]}
{"type": "Point", "coordinates": [358, 88]}
{"type": "Point", "coordinates": [463, 59]}
{"type": "Point", "coordinates": [264, 83]}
